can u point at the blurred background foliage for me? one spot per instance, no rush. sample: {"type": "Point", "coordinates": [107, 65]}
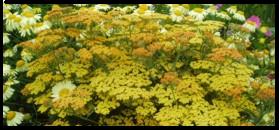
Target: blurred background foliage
{"type": "Point", "coordinates": [265, 11]}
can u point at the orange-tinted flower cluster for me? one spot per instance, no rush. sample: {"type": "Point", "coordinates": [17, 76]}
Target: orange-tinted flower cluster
{"type": "Point", "coordinates": [170, 78]}
{"type": "Point", "coordinates": [219, 54]}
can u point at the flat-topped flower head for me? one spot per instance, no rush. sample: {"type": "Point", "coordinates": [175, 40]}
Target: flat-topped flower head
{"type": "Point", "coordinates": [62, 89]}
{"type": "Point", "coordinates": [14, 118]}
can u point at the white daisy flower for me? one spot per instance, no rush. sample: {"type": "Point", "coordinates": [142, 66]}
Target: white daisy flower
{"type": "Point", "coordinates": [9, 53]}
{"type": "Point", "coordinates": [14, 118]}
{"type": "Point", "coordinates": [250, 26]}
{"type": "Point", "coordinates": [26, 56]}
{"type": "Point", "coordinates": [198, 13]}
{"type": "Point", "coordinates": [7, 92]}
{"type": "Point", "coordinates": [26, 30]}
{"type": "Point", "coordinates": [232, 9]}
{"type": "Point", "coordinates": [6, 38]}
{"type": "Point", "coordinates": [41, 26]}
{"type": "Point", "coordinates": [104, 7]}
{"type": "Point", "coordinates": [177, 13]}
{"type": "Point", "coordinates": [239, 15]}
{"type": "Point", "coordinates": [5, 110]}
{"type": "Point", "coordinates": [223, 15]}
{"type": "Point", "coordinates": [62, 89]}
{"type": "Point", "coordinates": [13, 22]}
{"type": "Point", "coordinates": [6, 70]}
{"type": "Point", "coordinates": [29, 18]}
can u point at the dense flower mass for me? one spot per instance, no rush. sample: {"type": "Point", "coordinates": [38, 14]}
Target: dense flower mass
{"type": "Point", "coordinates": [192, 65]}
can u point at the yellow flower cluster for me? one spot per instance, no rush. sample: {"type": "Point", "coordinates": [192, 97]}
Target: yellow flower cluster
{"type": "Point", "coordinates": [141, 68]}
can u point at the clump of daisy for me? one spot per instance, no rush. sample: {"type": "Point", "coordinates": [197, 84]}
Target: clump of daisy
{"type": "Point", "coordinates": [62, 89]}
{"type": "Point", "coordinates": [14, 118]}
{"type": "Point", "coordinates": [252, 23]}
{"type": "Point", "coordinates": [239, 15]}
{"type": "Point", "coordinates": [198, 13]}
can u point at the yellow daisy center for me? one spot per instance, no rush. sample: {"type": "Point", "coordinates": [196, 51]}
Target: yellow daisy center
{"type": "Point", "coordinates": [28, 14]}
{"type": "Point", "coordinates": [64, 92]}
{"type": "Point", "coordinates": [10, 115]}
{"type": "Point", "coordinates": [17, 19]}
{"type": "Point", "coordinates": [178, 12]}
{"type": "Point", "coordinates": [39, 24]}
{"type": "Point", "coordinates": [27, 27]}
{"type": "Point", "coordinates": [199, 10]}
{"type": "Point", "coordinates": [12, 16]}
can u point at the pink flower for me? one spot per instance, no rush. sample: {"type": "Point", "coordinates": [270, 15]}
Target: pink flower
{"type": "Point", "coordinates": [256, 20]}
